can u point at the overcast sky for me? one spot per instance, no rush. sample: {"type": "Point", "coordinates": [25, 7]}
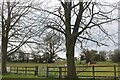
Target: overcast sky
{"type": "Point", "coordinates": [112, 28]}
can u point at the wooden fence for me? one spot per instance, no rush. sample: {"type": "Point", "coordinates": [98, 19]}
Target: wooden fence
{"type": "Point", "coordinates": [27, 70]}
{"type": "Point", "coordinates": [61, 72]}
{"type": "Point", "coordinates": [86, 71]}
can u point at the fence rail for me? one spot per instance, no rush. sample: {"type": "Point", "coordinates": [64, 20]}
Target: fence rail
{"type": "Point", "coordinates": [61, 72]}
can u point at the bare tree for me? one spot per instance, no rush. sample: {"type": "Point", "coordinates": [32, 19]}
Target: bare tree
{"type": "Point", "coordinates": [18, 23]}
{"type": "Point", "coordinates": [75, 20]}
{"type": "Point", "coordinates": [53, 44]}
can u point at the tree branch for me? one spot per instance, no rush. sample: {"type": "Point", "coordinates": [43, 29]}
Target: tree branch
{"type": "Point", "coordinates": [98, 43]}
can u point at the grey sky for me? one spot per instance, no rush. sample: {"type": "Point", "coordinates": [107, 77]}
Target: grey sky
{"type": "Point", "coordinates": [112, 28]}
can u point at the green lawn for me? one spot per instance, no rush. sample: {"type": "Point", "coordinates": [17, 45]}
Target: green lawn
{"type": "Point", "coordinates": [58, 63]}
{"type": "Point", "coordinates": [23, 77]}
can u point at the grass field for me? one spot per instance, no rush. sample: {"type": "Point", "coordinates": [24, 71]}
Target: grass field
{"type": "Point", "coordinates": [23, 77]}
{"type": "Point", "coordinates": [60, 63]}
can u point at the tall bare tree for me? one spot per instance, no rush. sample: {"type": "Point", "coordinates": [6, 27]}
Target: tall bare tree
{"type": "Point", "coordinates": [76, 19]}
{"type": "Point", "coordinates": [17, 27]}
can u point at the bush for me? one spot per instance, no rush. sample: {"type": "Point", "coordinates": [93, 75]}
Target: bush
{"type": "Point", "coordinates": [116, 56]}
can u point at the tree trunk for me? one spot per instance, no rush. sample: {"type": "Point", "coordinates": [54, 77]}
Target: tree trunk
{"type": "Point", "coordinates": [4, 54]}
{"type": "Point", "coordinates": [71, 69]}
{"type": "Point", "coordinates": [5, 32]}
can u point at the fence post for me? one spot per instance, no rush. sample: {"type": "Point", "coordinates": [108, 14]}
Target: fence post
{"type": "Point", "coordinates": [36, 70]}
{"type": "Point", "coordinates": [93, 68]}
{"type": "Point", "coordinates": [115, 73]}
{"type": "Point", "coordinates": [65, 72]}
{"type": "Point", "coordinates": [25, 70]}
{"type": "Point", "coordinates": [118, 70]}
{"type": "Point", "coordinates": [10, 69]}
{"type": "Point", "coordinates": [60, 72]}
{"type": "Point", "coordinates": [17, 70]}
{"type": "Point", "coordinates": [14, 69]}
{"type": "Point", "coordinates": [47, 71]}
